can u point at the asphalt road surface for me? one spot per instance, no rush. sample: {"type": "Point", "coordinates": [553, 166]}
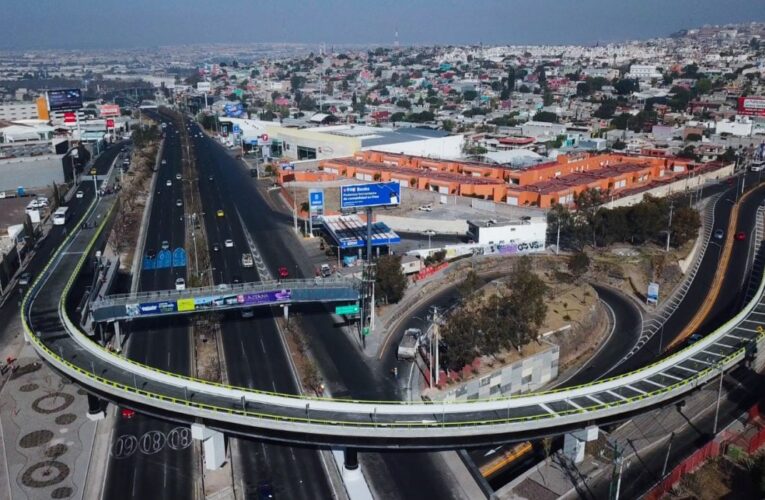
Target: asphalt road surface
{"type": "Point", "coordinates": [346, 372]}
{"type": "Point", "coordinates": [252, 348]}
{"type": "Point", "coordinates": [152, 458]}
{"type": "Point", "coordinates": [44, 248]}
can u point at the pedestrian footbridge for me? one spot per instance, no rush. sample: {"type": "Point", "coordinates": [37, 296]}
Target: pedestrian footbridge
{"type": "Point", "coordinates": [358, 422]}
{"type": "Point", "coordinates": [223, 297]}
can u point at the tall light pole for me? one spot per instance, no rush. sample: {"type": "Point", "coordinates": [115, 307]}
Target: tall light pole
{"type": "Point", "coordinates": [717, 404]}
{"type": "Point", "coordinates": [669, 224]}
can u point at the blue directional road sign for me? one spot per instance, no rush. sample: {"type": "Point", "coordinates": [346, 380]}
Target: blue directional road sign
{"type": "Point", "coordinates": [316, 199]}
{"type": "Point", "coordinates": [164, 259]}
{"type": "Point", "coordinates": [370, 195]}
{"type": "Point", "coordinates": [179, 257]}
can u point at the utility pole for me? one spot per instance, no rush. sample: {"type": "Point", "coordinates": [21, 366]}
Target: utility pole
{"type": "Point", "coordinates": [669, 225]}
{"type": "Point", "coordinates": [436, 339]}
{"type": "Point", "coordinates": [666, 457]}
{"type": "Point", "coordinates": [294, 206]}
{"type": "Point", "coordinates": [616, 478]}
{"type": "Point", "coordinates": [717, 404]}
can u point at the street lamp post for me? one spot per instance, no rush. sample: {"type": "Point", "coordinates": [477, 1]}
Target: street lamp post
{"type": "Point", "coordinates": [717, 404]}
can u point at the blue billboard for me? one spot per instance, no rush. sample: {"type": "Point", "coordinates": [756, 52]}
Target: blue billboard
{"type": "Point", "coordinates": [233, 110]}
{"type": "Point", "coordinates": [370, 195]}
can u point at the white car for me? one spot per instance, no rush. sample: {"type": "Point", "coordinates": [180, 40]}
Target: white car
{"type": "Point", "coordinates": [180, 284]}
{"type": "Point", "coordinates": [79, 194]}
{"type": "Point", "coordinates": [229, 243]}
{"type": "Point", "coordinates": [425, 208]}
{"type": "Point", "coordinates": [164, 162]}
{"type": "Point", "coordinates": [178, 176]}
{"type": "Point", "coordinates": [247, 260]}
{"type": "Point", "coordinates": [169, 183]}
{"type": "Point", "coordinates": [178, 203]}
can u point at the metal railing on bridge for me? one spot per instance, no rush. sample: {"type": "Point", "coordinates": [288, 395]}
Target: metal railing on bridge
{"type": "Point", "coordinates": [224, 296]}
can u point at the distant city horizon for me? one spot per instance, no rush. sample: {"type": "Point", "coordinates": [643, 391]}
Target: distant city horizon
{"type": "Point", "coordinates": [141, 24]}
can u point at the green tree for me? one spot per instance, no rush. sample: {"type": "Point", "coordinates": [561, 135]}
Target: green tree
{"type": "Point", "coordinates": [545, 116]}
{"type": "Point", "coordinates": [404, 103]}
{"type": "Point", "coordinates": [547, 97]}
{"type": "Point", "coordinates": [606, 109]}
{"type": "Point", "coordinates": [391, 281]}
{"type": "Point", "coordinates": [469, 95]}
{"type": "Point", "coordinates": [470, 284]}
{"type": "Point", "coordinates": [448, 125]}
{"type": "Point", "coordinates": [583, 89]}
{"type": "Point", "coordinates": [685, 225]}
{"type": "Point", "coordinates": [578, 264]}
{"type": "Point", "coordinates": [619, 145]}
{"type": "Point", "coordinates": [526, 302]}
{"type": "Point", "coordinates": [626, 86]}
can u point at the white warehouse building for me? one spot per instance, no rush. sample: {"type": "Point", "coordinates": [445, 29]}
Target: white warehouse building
{"type": "Point", "coordinates": [503, 232]}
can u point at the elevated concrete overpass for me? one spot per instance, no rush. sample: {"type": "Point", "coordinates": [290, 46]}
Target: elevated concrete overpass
{"type": "Point", "coordinates": [223, 297]}
{"type": "Point", "coordinates": [372, 424]}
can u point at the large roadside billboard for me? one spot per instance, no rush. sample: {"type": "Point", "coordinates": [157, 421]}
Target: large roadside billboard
{"type": "Point", "coordinates": [64, 99]}
{"type": "Point", "coordinates": [751, 106]}
{"type": "Point", "coordinates": [381, 194]}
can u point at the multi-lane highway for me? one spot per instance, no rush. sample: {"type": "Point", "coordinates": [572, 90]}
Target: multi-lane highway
{"type": "Point", "coordinates": [152, 458]}
{"type": "Point", "coordinates": [662, 374]}
{"type": "Point", "coordinates": [253, 353]}
{"type": "Point", "coordinates": [395, 475]}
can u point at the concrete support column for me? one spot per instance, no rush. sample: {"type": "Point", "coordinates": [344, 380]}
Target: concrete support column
{"type": "Point", "coordinates": [95, 408]}
{"type": "Point", "coordinates": [351, 458]}
{"type": "Point", "coordinates": [213, 445]}
{"type": "Point", "coordinates": [117, 337]}
{"type": "Point", "coordinates": [573, 442]}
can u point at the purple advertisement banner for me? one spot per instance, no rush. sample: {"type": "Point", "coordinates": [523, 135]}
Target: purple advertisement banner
{"type": "Point", "coordinates": [249, 299]}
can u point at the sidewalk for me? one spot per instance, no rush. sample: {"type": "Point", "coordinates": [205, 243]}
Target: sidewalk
{"type": "Point", "coordinates": [46, 438]}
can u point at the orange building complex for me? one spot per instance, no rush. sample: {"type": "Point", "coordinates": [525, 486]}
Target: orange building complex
{"type": "Point", "coordinates": [540, 185]}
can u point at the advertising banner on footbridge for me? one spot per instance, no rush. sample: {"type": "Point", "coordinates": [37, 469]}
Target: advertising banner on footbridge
{"type": "Point", "coordinates": [208, 302]}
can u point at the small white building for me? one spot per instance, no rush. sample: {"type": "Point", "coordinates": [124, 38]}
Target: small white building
{"type": "Point", "coordinates": [526, 231]}
{"type": "Point", "coordinates": [740, 128]}
{"type": "Point", "coordinates": [643, 72]}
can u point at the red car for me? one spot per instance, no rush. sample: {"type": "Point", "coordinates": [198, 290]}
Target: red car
{"type": "Point", "coordinates": [283, 273]}
{"type": "Point", "coordinates": [127, 413]}
{"type": "Point", "coordinates": [741, 236]}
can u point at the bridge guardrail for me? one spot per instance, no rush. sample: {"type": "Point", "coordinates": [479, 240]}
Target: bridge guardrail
{"type": "Point", "coordinates": [380, 407]}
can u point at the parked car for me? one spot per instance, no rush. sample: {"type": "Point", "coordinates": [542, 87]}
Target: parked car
{"type": "Point", "coordinates": [425, 208]}
{"type": "Point", "coordinates": [180, 284]}
{"type": "Point", "coordinates": [165, 245]}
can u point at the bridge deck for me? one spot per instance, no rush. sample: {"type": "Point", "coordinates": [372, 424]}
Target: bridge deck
{"type": "Point", "coordinates": [64, 346]}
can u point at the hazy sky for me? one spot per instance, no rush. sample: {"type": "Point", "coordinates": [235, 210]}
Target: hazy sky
{"type": "Point", "coordinates": [131, 23]}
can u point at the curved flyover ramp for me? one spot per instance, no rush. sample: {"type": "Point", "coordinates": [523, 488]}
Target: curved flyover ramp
{"type": "Point", "coordinates": [362, 423]}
